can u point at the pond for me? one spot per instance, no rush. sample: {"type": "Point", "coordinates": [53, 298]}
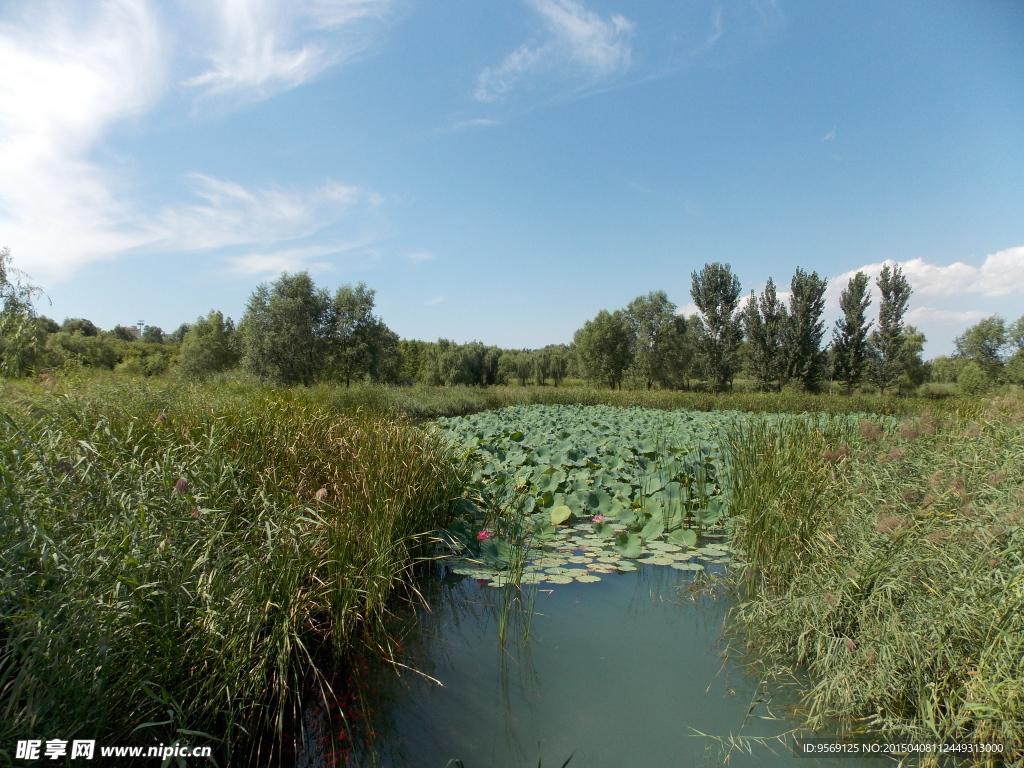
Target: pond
{"type": "Point", "coordinates": [627, 671]}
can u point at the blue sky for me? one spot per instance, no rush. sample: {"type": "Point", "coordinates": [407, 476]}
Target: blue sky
{"type": "Point", "coordinates": [501, 171]}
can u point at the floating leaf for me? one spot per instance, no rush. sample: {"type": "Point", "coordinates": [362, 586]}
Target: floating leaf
{"type": "Point", "coordinates": [628, 545]}
{"type": "Point", "coordinates": [560, 514]}
{"type": "Point", "coordinates": [684, 537]}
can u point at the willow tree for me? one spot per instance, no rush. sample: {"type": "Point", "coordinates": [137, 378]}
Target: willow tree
{"type": "Point", "coordinates": [603, 348]}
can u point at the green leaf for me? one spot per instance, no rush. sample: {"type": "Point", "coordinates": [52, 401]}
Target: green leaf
{"type": "Point", "coordinates": [685, 537]}
{"type": "Point", "coordinates": [653, 529]}
{"type": "Point", "coordinates": [560, 514]}
{"type": "Point", "coordinates": [628, 545]}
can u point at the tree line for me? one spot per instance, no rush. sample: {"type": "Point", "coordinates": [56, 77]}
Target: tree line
{"type": "Point", "coordinates": [294, 332]}
{"type": "Point", "coordinates": [775, 343]}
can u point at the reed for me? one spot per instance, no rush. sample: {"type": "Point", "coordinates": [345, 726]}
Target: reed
{"type": "Point", "coordinates": [178, 561]}
{"type": "Point", "coordinates": [887, 574]}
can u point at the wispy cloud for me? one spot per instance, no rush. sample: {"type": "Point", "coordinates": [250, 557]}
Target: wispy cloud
{"type": "Point", "coordinates": [266, 263]}
{"type": "Point", "coordinates": [230, 214]}
{"type": "Point", "coordinates": [435, 301]}
{"type": "Point", "coordinates": [75, 70]}
{"type": "Point", "coordinates": [265, 46]}
{"type": "Point", "coordinates": [830, 135]}
{"type": "Point", "coordinates": [71, 71]}
{"type": "Point", "coordinates": [574, 43]}
{"type": "Point", "coordinates": [420, 256]}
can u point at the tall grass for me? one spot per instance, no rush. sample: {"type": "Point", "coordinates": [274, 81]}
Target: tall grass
{"type": "Point", "coordinates": [886, 567]}
{"type": "Point", "coordinates": [421, 402]}
{"type": "Point", "coordinates": [174, 561]}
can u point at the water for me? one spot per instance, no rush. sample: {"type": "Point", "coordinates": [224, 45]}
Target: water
{"type": "Point", "coordinates": [623, 672]}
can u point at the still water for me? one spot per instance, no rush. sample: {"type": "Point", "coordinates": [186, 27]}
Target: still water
{"type": "Point", "coordinates": [624, 672]}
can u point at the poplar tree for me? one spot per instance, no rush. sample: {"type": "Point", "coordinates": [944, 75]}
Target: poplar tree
{"type": "Point", "coordinates": [887, 341]}
{"type": "Point", "coordinates": [764, 323]}
{"type": "Point", "coordinates": [850, 337]}
{"type": "Point", "coordinates": [804, 330]}
{"type": "Point", "coordinates": [716, 292]}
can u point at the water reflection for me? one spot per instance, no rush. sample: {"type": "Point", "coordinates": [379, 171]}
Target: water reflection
{"type": "Point", "coordinates": [623, 672]}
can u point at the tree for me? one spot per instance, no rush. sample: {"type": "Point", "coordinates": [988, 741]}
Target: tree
{"type": "Point", "coordinates": [764, 322]}
{"type": "Point", "coordinates": [657, 336]}
{"type": "Point", "coordinates": [21, 337]}
{"type": "Point", "coordinates": [360, 343]}
{"type": "Point", "coordinates": [914, 370]}
{"type": "Point", "coordinates": [80, 326]}
{"type": "Point", "coordinates": [123, 333]}
{"type": "Point", "coordinates": [286, 330]}
{"type": "Point", "coordinates": [603, 348]}
{"type": "Point", "coordinates": [153, 334]}
{"type": "Point", "coordinates": [804, 330]}
{"type": "Point", "coordinates": [178, 334]}
{"type": "Point", "coordinates": [985, 344]}
{"type": "Point", "coordinates": [210, 345]}
{"type": "Point", "coordinates": [886, 342]}
{"type": "Point", "coordinates": [715, 291]}
{"type": "Point", "coordinates": [850, 337]}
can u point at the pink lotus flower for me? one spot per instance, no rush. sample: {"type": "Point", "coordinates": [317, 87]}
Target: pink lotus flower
{"type": "Point", "coordinates": [484, 535]}
{"type": "Point", "coordinates": [597, 519]}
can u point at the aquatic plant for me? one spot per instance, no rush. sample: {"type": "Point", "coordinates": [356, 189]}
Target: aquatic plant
{"type": "Point", "coordinates": [181, 561]}
{"type": "Point", "coordinates": [890, 574]}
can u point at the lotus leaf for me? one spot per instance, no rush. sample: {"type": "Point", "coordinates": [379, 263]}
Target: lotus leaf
{"type": "Point", "coordinates": [684, 537]}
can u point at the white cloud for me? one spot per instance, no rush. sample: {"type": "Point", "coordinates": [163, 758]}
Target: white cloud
{"type": "Point", "coordinates": [70, 72]}
{"type": "Point", "coordinates": [959, 318]}
{"type": "Point", "coordinates": [276, 261]}
{"type": "Point", "coordinates": [1001, 274]}
{"type": "Point", "coordinates": [435, 301]}
{"type": "Point", "coordinates": [420, 256]}
{"type": "Point", "coordinates": [231, 214]}
{"type": "Point", "coordinates": [74, 70]}
{"type": "Point", "coordinates": [265, 46]}
{"type": "Point", "coordinates": [830, 135]}
{"type": "Point", "coordinates": [576, 42]}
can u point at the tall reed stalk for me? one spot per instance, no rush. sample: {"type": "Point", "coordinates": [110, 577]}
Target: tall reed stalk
{"type": "Point", "coordinates": [175, 562]}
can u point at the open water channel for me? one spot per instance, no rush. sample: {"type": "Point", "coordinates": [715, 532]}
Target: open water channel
{"type": "Point", "coordinates": [624, 672]}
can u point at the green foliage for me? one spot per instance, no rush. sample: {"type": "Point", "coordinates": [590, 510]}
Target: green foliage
{"type": "Point", "coordinates": [286, 329]}
{"type": "Point", "coordinates": [359, 342]}
{"type": "Point", "coordinates": [448, 364]}
{"type": "Point", "coordinates": [985, 344]}
{"type": "Point", "coordinates": [603, 348]}
{"type": "Point", "coordinates": [79, 326]}
{"type": "Point", "coordinates": [619, 483]}
{"type": "Point", "coordinates": [153, 334]}
{"type": "Point", "coordinates": [804, 331]}
{"type": "Point", "coordinates": [123, 333]}
{"type": "Point", "coordinates": [849, 339]}
{"type": "Point", "coordinates": [945, 370]}
{"type": "Point", "coordinates": [716, 290]}
{"type": "Point", "coordinates": [215, 547]}
{"type": "Point", "coordinates": [764, 321]}
{"type": "Point", "coordinates": [210, 345]}
{"type": "Point", "coordinates": [886, 343]}
{"type": "Point", "coordinates": [658, 341]}
{"type": "Point", "coordinates": [178, 334]}
{"type": "Point", "coordinates": [902, 599]}
{"type": "Point", "coordinates": [1014, 370]}
{"type": "Point", "coordinates": [21, 337]}
{"type": "Point", "coordinates": [102, 351]}
{"type": "Point", "coordinates": [973, 379]}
